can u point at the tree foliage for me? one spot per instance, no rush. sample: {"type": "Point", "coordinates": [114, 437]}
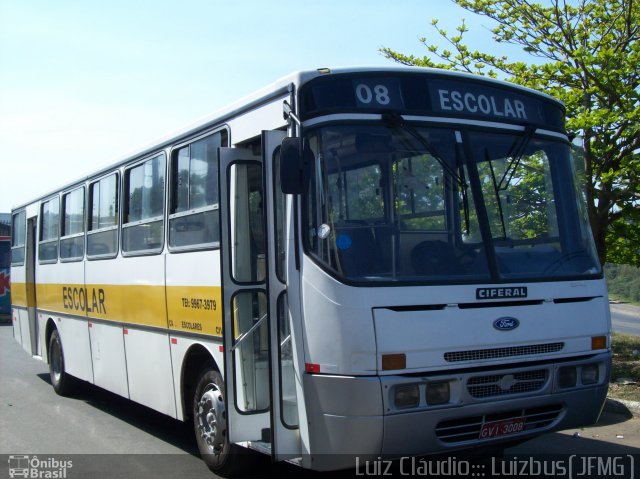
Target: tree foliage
{"type": "Point", "coordinates": [623, 281]}
{"type": "Point", "coordinates": [586, 53]}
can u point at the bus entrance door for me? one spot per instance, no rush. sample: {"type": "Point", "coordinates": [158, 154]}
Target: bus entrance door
{"type": "Point", "coordinates": [285, 434]}
{"type": "Point", "coordinates": [251, 302]}
{"type": "Point", "coordinates": [30, 263]}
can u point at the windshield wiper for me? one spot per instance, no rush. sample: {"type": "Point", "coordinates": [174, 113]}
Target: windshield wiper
{"type": "Point", "coordinates": [496, 190]}
{"type": "Point", "coordinates": [516, 153]}
{"type": "Point", "coordinates": [463, 189]}
{"type": "Point", "coordinates": [394, 120]}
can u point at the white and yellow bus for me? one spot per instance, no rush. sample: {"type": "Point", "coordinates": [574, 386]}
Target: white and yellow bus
{"type": "Point", "coordinates": [355, 262]}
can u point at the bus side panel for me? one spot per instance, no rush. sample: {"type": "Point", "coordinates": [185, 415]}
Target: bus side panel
{"type": "Point", "coordinates": [194, 303]}
{"type": "Point", "coordinates": [43, 347]}
{"type": "Point", "coordinates": [149, 369]}
{"type": "Point", "coordinates": [25, 331]}
{"type": "Point", "coordinates": [61, 294]}
{"type": "Point", "coordinates": [180, 345]}
{"type": "Point", "coordinates": [192, 277]}
{"type": "Point", "coordinates": [107, 343]}
{"type": "Point", "coordinates": [75, 344]}
{"type": "Point", "coordinates": [252, 123]}
{"type": "Point", "coordinates": [147, 352]}
{"type": "Point", "coordinates": [109, 364]}
{"type": "Point", "coordinates": [18, 300]}
{"type": "Point", "coordinates": [17, 335]}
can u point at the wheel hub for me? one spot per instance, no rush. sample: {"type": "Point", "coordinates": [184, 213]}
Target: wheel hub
{"type": "Point", "coordinates": [211, 416]}
{"type": "Point", "coordinates": [56, 361]}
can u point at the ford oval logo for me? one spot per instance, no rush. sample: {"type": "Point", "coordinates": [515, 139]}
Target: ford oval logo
{"type": "Point", "coordinates": [506, 324]}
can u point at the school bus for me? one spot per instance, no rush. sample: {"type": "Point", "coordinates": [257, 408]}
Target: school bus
{"type": "Point", "coordinates": [359, 262]}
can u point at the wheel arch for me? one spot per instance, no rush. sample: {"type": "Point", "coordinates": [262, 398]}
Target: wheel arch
{"type": "Point", "coordinates": [49, 329]}
{"type": "Point", "coordinates": [194, 360]}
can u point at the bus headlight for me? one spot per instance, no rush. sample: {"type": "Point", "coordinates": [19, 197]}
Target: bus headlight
{"type": "Point", "coordinates": [589, 374]}
{"type": "Point", "coordinates": [567, 377]}
{"type": "Point", "coordinates": [407, 396]}
{"type": "Point", "coordinates": [438, 393]}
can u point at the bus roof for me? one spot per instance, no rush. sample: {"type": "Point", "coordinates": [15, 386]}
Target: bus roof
{"type": "Point", "coordinates": [276, 89]}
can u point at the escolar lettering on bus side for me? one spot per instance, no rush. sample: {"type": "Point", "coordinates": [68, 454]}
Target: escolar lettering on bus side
{"type": "Point", "coordinates": [78, 299]}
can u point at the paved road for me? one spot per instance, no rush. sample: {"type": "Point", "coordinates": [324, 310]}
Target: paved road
{"type": "Point", "coordinates": [625, 318]}
{"type": "Point", "coordinates": [106, 436]}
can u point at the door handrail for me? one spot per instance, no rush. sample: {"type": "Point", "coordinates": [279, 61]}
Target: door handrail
{"type": "Point", "coordinates": [244, 336]}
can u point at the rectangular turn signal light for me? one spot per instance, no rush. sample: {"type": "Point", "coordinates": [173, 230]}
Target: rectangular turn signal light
{"type": "Point", "coordinates": [599, 342]}
{"type": "Point", "coordinates": [394, 361]}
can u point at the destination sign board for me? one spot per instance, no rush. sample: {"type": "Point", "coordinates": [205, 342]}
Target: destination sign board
{"type": "Point", "coordinates": [484, 101]}
{"type": "Point", "coordinates": [430, 95]}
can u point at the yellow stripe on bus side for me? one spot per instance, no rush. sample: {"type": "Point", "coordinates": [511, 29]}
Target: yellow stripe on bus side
{"type": "Point", "coordinates": [195, 309]}
{"type": "Point", "coordinates": [20, 295]}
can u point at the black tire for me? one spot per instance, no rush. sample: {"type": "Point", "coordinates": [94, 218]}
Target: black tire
{"type": "Point", "coordinates": [63, 384]}
{"type": "Point", "coordinates": [210, 426]}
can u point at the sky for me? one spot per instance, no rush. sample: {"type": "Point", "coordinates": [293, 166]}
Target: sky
{"type": "Point", "coordinates": [83, 83]}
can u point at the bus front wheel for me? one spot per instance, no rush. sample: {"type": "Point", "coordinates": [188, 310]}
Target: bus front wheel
{"type": "Point", "coordinates": [210, 424]}
{"type": "Point", "coordinates": [62, 383]}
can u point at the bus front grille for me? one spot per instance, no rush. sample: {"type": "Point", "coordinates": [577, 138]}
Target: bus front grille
{"type": "Point", "coordinates": [467, 429]}
{"type": "Point", "coordinates": [494, 353]}
{"type": "Point", "coordinates": [503, 384]}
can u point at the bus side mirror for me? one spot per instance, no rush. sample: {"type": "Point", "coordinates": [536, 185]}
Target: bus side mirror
{"type": "Point", "coordinates": [292, 167]}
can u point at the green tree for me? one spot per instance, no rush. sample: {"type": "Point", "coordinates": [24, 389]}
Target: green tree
{"type": "Point", "coordinates": [623, 281]}
{"type": "Point", "coordinates": [586, 53]}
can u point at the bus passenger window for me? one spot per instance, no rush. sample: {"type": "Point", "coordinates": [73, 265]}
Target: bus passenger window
{"type": "Point", "coordinates": [247, 234]}
{"type": "Point", "coordinates": [49, 230]}
{"type": "Point", "coordinates": [250, 359]}
{"type": "Point", "coordinates": [143, 224]}
{"type": "Point", "coordinates": [72, 240]}
{"type": "Point", "coordinates": [102, 235]}
{"type": "Point", "coordinates": [18, 227]}
{"type": "Point", "coordinates": [193, 216]}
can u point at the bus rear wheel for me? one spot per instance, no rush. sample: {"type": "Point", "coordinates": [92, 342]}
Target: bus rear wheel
{"type": "Point", "coordinates": [63, 384]}
{"type": "Point", "coordinates": [210, 425]}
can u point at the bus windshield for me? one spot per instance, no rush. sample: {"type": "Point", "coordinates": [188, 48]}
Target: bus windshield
{"type": "Point", "coordinates": [429, 204]}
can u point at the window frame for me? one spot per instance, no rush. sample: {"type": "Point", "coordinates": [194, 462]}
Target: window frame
{"type": "Point", "coordinates": [23, 245]}
{"type": "Point", "coordinates": [63, 197]}
{"type": "Point", "coordinates": [125, 207]}
{"type": "Point", "coordinates": [40, 231]}
{"type": "Point", "coordinates": [89, 219]}
{"type": "Point", "coordinates": [172, 193]}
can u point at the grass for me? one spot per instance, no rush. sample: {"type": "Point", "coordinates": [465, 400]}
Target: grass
{"type": "Point", "coordinates": [626, 364]}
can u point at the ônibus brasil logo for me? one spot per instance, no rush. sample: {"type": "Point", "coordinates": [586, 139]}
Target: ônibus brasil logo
{"type": "Point", "coordinates": [34, 467]}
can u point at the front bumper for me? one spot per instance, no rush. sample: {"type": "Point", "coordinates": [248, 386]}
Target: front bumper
{"type": "Point", "coordinates": [353, 417]}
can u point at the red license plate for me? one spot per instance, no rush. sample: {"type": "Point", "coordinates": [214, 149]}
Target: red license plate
{"type": "Point", "coordinates": [501, 428]}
